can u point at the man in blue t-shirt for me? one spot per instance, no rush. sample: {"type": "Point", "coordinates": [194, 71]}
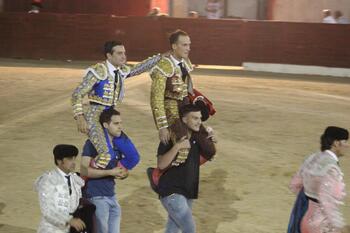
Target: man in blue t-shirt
{"type": "Point", "coordinates": [99, 188]}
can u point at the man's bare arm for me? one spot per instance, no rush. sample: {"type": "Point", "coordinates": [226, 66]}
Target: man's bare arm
{"type": "Point", "coordinates": [86, 170]}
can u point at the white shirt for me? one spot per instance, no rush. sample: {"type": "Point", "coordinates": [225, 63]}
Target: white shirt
{"type": "Point", "coordinates": [329, 19]}
{"type": "Point", "coordinates": [121, 78]}
{"type": "Point", "coordinates": [62, 172]}
{"type": "Point", "coordinates": [177, 62]}
{"type": "Point", "coordinates": [111, 68]}
{"type": "Point", "coordinates": [66, 177]}
{"type": "Point", "coordinates": [334, 156]}
{"type": "Point", "coordinates": [342, 20]}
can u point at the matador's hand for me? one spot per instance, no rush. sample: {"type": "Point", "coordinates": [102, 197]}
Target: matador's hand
{"type": "Point", "coordinates": [77, 224]}
{"type": "Point", "coordinates": [211, 134]}
{"type": "Point", "coordinates": [164, 135]}
{"type": "Point", "coordinates": [82, 124]}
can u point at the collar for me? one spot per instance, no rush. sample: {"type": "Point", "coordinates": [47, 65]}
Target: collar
{"type": "Point", "coordinates": [177, 61]}
{"type": "Point", "coordinates": [111, 68]}
{"type": "Point", "coordinates": [62, 173]}
{"type": "Point", "coordinates": [334, 156]}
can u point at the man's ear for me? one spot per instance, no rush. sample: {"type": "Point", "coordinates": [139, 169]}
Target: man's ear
{"type": "Point", "coordinates": [184, 119]}
{"type": "Point", "coordinates": [59, 162]}
{"type": "Point", "coordinates": [105, 125]}
{"type": "Point", "coordinates": [173, 46]}
{"type": "Point", "coordinates": [109, 56]}
{"type": "Point", "coordinates": [336, 143]}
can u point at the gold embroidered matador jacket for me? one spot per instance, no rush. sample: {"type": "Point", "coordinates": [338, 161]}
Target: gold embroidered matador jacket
{"type": "Point", "coordinates": [168, 89]}
{"type": "Point", "coordinates": [104, 88]}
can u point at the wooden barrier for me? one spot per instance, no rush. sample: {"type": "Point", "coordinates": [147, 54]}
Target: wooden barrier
{"type": "Point", "coordinates": [217, 42]}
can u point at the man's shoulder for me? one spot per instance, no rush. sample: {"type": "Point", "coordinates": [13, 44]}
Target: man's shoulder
{"type": "Point", "coordinates": [89, 149]}
{"type": "Point", "coordinates": [125, 70]}
{"type": "Point", "coordinates": [98, 70]}
{"type": "Point", "coordinates": [77, 179]}
{"type": "Point", "coordinates": [47, 179]}
{"type": "Point", "coordinates": [165, 66]}
{"type": "Point", "coordinates": [188, 64]}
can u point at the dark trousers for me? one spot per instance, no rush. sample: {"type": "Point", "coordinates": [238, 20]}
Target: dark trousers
{"type": "Point", "coordinates": [86, 212]}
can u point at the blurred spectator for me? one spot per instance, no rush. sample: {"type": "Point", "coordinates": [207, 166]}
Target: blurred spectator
{"type": "Point", "coordinates": [155, 11]}
{"type": "Point", "coordinates": [193, 14]}
{"type": "Point", "coordinates": [36, 6]}
{"type": "Point", "coordinates": [339, 18]}
{"type": "Point", "coordinates": [327, 17]}
{"type": "Point", "coordinates": [214, 9]}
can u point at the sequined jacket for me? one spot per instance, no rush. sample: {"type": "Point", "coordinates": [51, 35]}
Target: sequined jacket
{"type": "Point", "coordinates": [322, 179]}
{"type": "Point", "coordinates": [55, 202]}
{"type": "Point", "coordinates": [102, 88]}
{"type": "Point", "coordinates": [168, 84]}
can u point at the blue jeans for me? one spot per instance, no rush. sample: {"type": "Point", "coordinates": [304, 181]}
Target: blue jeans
{"type": "Point", "coordinates": [107, 213]}
{"type": "Point", "coordinates": [179, 210]}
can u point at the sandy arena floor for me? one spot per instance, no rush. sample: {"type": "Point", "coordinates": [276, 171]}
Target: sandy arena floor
{"type": "Point", "coordinates": [266, 125]}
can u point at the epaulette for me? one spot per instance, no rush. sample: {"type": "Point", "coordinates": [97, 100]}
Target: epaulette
{"type": "Point", "coordinates": [124, 70]}
{"type": "Point", "coordinates": [78, 180]}
{"type": "Point", "coordinates": [164, 66]}
{"type": "Point", "coordinates": [188, 64]}
{"type": "Point", "coordinates": [99, 70]}
{"type": "Point", "coordinates": [323, 165]}
{"type": "Point", "coordinates": [327, 163]}
{"type": "Point", "coordinates": [44, 179]}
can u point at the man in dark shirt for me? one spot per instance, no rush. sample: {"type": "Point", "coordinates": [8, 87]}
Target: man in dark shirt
{"type": "Point", "coordinates": [99, 188]}
{"type": "Point", "coordinates": [178, 185]}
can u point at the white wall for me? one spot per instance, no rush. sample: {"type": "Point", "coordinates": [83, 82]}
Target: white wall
{"type": "Point", "coordinates": [246, 9]}
{"type": "Point", "coordinates": [197, 5]}
{"type": "Point", "coordinates": [235, 8]}
{"type": "Point", "coordinates": [307, 10]}
{"type": "Point", "coordinates": [180, 8]}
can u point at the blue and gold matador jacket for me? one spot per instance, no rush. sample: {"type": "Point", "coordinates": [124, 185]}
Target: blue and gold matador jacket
{"type": "Point", "coordinates": [102, 88]}
{"type": "Point", "coordinates": [167, 84]}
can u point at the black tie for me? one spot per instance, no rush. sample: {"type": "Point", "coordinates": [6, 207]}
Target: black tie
{"type": "Point", "coordinates": [116, 77]}
{"type": "Point", "coordinates": [184, 71]}
{"type": "Point", "coordinates": [69, 185]}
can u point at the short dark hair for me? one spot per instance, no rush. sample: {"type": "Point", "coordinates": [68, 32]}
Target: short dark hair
{"type": "Point", "coordinates": [107, 114]}
{"type": "Point", "coordinates": [62, 151]}
{"type": "Point", "coordinates": [109, 45]}
{"type": "Point", "coordinates": [174, 36]}
{"type": "Point", "coordinates": [185, 109]}
{"type": "Point", "coordinates": [331, 134]}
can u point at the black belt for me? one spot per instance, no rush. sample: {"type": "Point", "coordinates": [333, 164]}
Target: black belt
{"type": "Point", "coordinates": [312, 199]}
{"type": "Point", "coordinates": [94, 103]}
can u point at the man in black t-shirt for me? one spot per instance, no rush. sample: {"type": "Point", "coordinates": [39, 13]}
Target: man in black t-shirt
{"type": "Point", "coordinates": [178, 185]}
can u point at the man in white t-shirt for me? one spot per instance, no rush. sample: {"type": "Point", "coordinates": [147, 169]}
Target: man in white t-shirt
{"type": "Point", "coordinates": [327, 17]}
{"type": "Point", "coordinates": [339, 18]}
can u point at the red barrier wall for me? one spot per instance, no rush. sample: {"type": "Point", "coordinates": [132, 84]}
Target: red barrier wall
{"type": "Point", "coordinates": [220, 42]}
